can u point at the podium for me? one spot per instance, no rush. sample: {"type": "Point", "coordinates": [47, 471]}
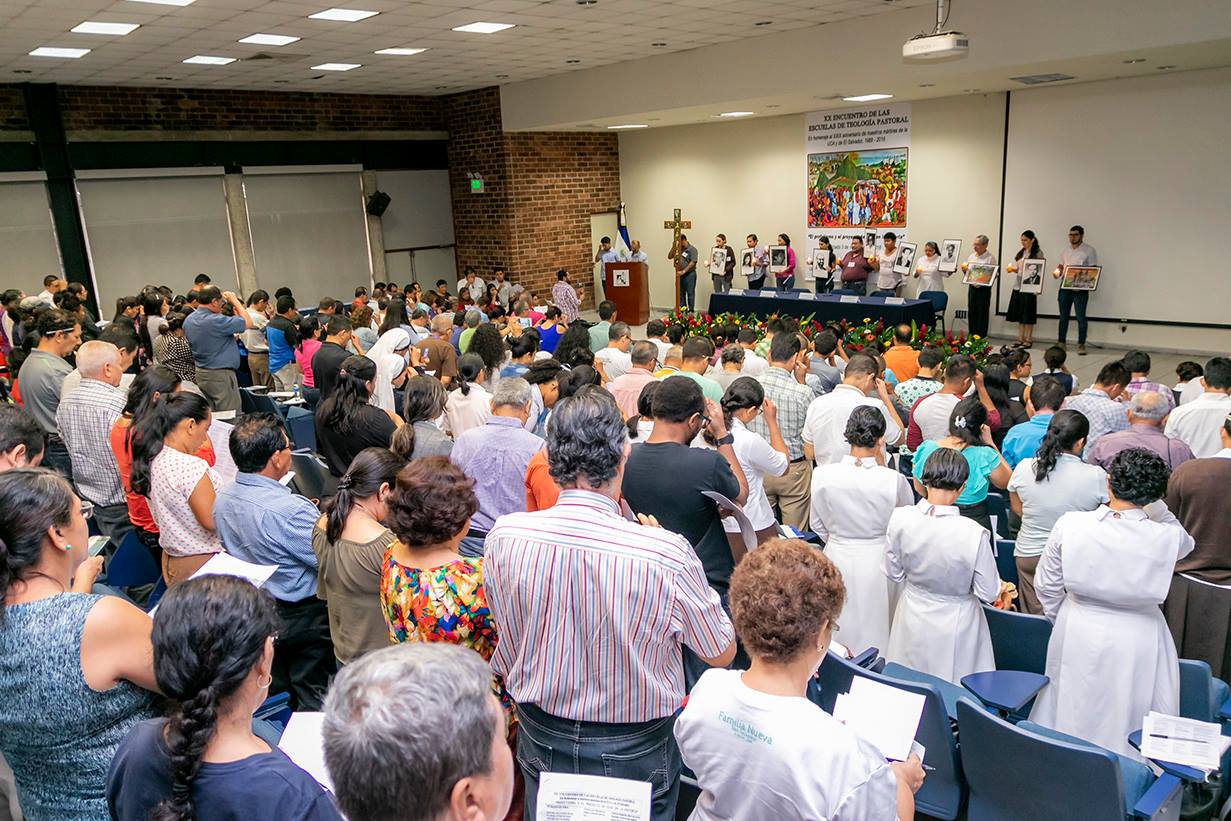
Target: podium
{"type": "Point", "coordinates": [627, 284]}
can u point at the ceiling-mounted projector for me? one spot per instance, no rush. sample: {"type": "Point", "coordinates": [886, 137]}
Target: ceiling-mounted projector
{"type": "Point", "coordinates": [936, 48]}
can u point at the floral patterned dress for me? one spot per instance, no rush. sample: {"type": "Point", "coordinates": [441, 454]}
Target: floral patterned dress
{"type": "Point", "coordinates": [445, 603]}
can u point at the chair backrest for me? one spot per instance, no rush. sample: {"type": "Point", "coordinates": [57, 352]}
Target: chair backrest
{"type": "Point", "coordinates": [939, 300]}
{"type": "Point", "coordinates": [311, 478]}
{"type": "Point", "coordinates": [132, 565]}
{"type": "Point", "coordinates": [1006, 564]}
{"type": "Point", "coordinates": [247, 404]}
{"type": "Point", "coordinates": [1196, 698]}
{"type": "Point", "coordinates": [1016, 775]}
{"type": "Point", "coordinates": [301, 427]}
{"type": "Point", "coordinates": [944, 789]}
{"type": "Point", "coordinates": [996, 507]}
{"type": "Point", "coordinates": [1019, 640]}
{"type": "Point", "coordinates": [260, 403]}
{"type": "Point", "coordinates": [845, 292]}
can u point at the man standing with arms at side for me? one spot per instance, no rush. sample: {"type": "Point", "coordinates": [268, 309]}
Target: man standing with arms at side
{"type": "Point", "coordinates": [784, 386]}
{"type": "Point", "coordinates": [212, 337]}
{"type": "Point", "coordinates": [686, 270]}
{"type": "Point", "coordinates": [328, 359]}
{"type": "Point", "coordinates": [593, 613]}
{"type": "Point", "coordinates": [979, 298]}
{"type": "Point", "coordinates": [42, 378]}
{"type": "Point", "coordinates": [1081, 254]}
{"type": "Point", "coordinates": [254, 339]}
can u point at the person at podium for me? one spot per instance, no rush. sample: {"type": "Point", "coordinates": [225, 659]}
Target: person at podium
{"type": "Point", "coordinates": [634, 254]}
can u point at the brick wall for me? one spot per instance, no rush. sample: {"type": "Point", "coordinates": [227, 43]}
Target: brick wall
{"type": "Point", "coordinates": [13, 109]}
{"type": "Point", "coordinates": [559, 180]}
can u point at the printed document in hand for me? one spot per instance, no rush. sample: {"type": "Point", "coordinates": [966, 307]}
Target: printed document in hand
{"type": "Point", "coordinates": [1184, 741]}
{"type": "Point", "coordinates": [224, 564]}
{"type": "Point", "coordinates": [568, 797]}
{"type": "Point", "coordinates": [746, 531]}
{"type": "Point", "coordinates": [884, 716]}
{"type": "Point", "coordinates": [302, 743]}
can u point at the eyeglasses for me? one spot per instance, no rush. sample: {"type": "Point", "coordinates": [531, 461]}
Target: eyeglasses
{"type": "Point", "coordinates": [87, 509]}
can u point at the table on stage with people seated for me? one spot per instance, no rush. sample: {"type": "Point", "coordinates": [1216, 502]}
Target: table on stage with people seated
{"type": "Point", "coordinates": [823, 307]}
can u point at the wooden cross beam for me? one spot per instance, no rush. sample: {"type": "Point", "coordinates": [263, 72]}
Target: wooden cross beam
{"type": "Point", "coordinates": [676, 225]}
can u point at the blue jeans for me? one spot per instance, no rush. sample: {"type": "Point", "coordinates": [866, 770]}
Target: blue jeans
{"type": "Point", "coordinates": [1069, 300]}
{"type": "Point", "coordinates": [859, 286]}
{"type": "Point", "coordinates": [688, 291]}
{"type": "Point", "coordinates": [644, 751]}
{"type": "Point", "coordinates": [784, 285]}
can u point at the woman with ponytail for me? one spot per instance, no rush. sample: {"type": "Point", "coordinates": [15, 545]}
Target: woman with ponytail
{"type": "Point", "coordinates": [179, 485]}
{"type": "Point", "coordinates": [471, 404]}
{"type": "Point", "coordinates": [346, 421]}
{"type": "Point", "coordinates": [213, 642]}
{"type": "Point", "coordinates": [743, 402]}
{"type": "Point", "coordinates": [970, 435]}
{"type": "Point", "coordinates": [350, 542]}
{"type": "Point", "coordinates": [76, 675]}
{"type": "Point", "coordinates": [1047, 486]}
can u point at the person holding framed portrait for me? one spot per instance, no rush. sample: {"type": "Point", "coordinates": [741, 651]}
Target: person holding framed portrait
{"type": "Point", "coordinates": [784, 279]}
{"type": "Point", "coordinates": [927, 270]}
{"type": "Point", "coordinates": [824, 263]}
{"type": "Point", "coordinates": [888, 281]}
{"type": "Point", "coordinates": [1079, 254]}
{"type": "Point", "coordinates": [722, 264]}
{"type": "Point", "coordinates": [979, 297]}
{"type": "Point", "coordinates": [760, 264]}
{"type": "Point", "coordinates": [1024, 305]}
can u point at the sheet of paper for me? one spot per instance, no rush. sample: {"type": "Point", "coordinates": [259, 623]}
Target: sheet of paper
{"type": "Point", "coordinates": [848, 298]}
{"type": "Point", "coordinates": [220, 439]}
{"type": "Point", "coordinates": [224, 564]}
{"type": "Point", "coordinates": [302, 743]}
{"type": "Point", "coordinates": [225, 416]}
{"type": "Point", "coordinates": [1182, 741]}
{"type": "Point", "coordinates": [569, 797]}
{"type": "Point", "coordinates": [746, 530]}
{"type": "Point", "coordinates": [884, 716]}
{"type": "Point", "coordinates": [286, 480]}
{"type": "Point", "coordinates": [736, 292]}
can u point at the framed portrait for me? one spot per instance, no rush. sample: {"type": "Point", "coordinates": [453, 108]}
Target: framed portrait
{"type": "Point", "coordinates": [869, 242]}
{"type": "Point", "coordinates": [718, 260]}
{"type": "Point", "coordinates": [619, 278]}
{"type": "Point", "coordinates": [903, 263]}
{"type": "Point", "coordinates": [1080, 277]}
{"type": "Point", "coordinates": [949, 250]}
{"type": "Point", "coordinates": [980, 275]}
{"type": "Point", "coordinates": [820, 264]}
{"type": "Point", "coordinates": [1030, 277]}
{"type": "Point", "coordinates": [748, 261]}
{"type": "Point", "coordinates": [777, 259]}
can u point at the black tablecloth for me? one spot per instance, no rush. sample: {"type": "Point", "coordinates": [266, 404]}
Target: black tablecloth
{"type": "Point", "coordinates": [825, 307]}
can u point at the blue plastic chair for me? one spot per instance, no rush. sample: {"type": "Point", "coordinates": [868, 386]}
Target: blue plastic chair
{"type": "Point", "coordinates": [1019, 640]}
{"type": "Point", "coordinates": [845, 292]}
{"type": "Point", "coordinates": [160, 587]}
{"type": "Point", "coordinates": [301, 428]}
{"type": "Point", "coordinates": [944, 789]}
{"type": "Point", "coordinates": [997, 507]}
{"type": "Point", "coordinates": [940, 301]}
{"type": "Point", "coordinates": [1025, 772]}
{"type": "Point", "coordinates": [1006, 564]}
{"type": "Point", "coordinates": [132, 565]}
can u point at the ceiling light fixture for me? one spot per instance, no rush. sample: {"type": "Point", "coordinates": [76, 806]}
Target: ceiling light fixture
{"type": "Point", "coordinates": [502, 76]}
{"type": "Point", "coordinates": [971, 90]}
{"type": "Point", "coordinates": [737, 114]}
{"type": "Point", "coordinates": [180, 3]}
{"type": "Point", "coordinates": [22, 71]}
{"type": "Point", "coordinates": [658, 45]}
{"type": "Point", "coordinates": [627, 126]}
{"type": "Point", "coordinates": [483, 28]}
{"type": "Point", "coordinates": [867, 98]}
{"type": "Point", "coordinates": [336, 66]}
{"type": "Point", "coordinates": [54, 51]}
{"type": "Point", "coordinates": [587, 2]}
{"type": "Point", "coordinates": [343, 15]}
{"type": "Point", "coordinates": [269, 39]}
{"type": "Point", "coordinates": [1134, 61]}
{"type": "Point", "coordinates": [93, 27]}
{"type": "Point", "coordinates": [572, 61]}
{"type": "Point", "coordinates": [400, 52]}
{"type": "Point", "coordinates": [208, 60]}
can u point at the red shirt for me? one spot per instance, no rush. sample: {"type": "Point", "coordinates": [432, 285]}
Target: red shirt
{"type": "Point", "coordinates": [138, 507]}
{"type": "Point", "coordinates": [855, 267]}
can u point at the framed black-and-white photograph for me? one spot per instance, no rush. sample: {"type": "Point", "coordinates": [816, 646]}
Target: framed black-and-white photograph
{"type": "Point", "coordinates": [869, 242]}
{"type": "Point", "coordinates": [718, 260]}
{"type": "Point", "coordinates": [903, 263]}
{"type": "Point", "coordinates": [820, 264]}
{"type": "Point", "coordinates": [1080, 277]}
{"type": "Point", "coordinates": [619, 278]}
{"type": "Point", "coordinates": [949, 250]}
{"type": "Point", "coordinates": [777, 259]}
{"type": "Point", "coordinates": [1031, 274]}
{"type": "Point", "coordinates": [748, 263]}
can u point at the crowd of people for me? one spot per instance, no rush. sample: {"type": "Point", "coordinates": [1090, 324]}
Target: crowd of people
{"type": "Point", "coordinates": [533, 550]}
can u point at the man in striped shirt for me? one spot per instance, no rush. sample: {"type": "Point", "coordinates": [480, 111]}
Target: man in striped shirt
{"type": "Point", "coordinates": [567, 298]}
{"type": "Point", "coordinates": [593, 612]}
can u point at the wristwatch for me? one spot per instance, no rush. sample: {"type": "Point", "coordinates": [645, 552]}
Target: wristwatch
{"type": "Point", "coordinates": [729, 439]}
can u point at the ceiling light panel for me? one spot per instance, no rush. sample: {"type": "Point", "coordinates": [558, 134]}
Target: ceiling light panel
{"type": "Point", "coordinates": [400, 52]}
{"type": "Point", "coordinates": [336, 66]}
{"type": "Point", "coordinates": [64, 53]}
{"type": "Point", "coordinates": [180, 3]}
{"type": "Point", "coordinates": [483, 28]}
{"type": "Point", "coordinates": [114, 29]}
{"type": "Point", "coordinates": [343, 15]}
{"type": "Point", "coordinates": [209, 60]}
{"type": "Point", "coordinates": [867, 98]}
{"type": "Point", "coordinates": [269, 39]}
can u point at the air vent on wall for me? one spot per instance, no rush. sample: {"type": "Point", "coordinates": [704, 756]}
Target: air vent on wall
{"type": "Point", "coordinates": [1040, 79]}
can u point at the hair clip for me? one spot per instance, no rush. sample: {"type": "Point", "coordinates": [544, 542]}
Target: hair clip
{"type": "Point", "coordinates": [960, 421]}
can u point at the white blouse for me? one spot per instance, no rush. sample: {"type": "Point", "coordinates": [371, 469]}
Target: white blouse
{"type": "Point", "coordinates": [758, 460]}
{"type": "Point", "coordinates": [929, 275]}
{"type": "Point", "coordinates": [854, 498]}
{"type": "Point", "coordinates": [463, 412]}
{"type": "Point", "coordinates": [173, 477]}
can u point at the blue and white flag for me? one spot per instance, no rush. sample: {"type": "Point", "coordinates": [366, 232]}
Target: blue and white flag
{"type": "Point", "coordinates": [623, 229]}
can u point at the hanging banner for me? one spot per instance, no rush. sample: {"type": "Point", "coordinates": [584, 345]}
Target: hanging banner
{"type": "Point", "coordinates": [857, 161]}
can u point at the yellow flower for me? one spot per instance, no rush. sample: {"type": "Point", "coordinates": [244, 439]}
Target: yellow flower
{"type": "Point", "coordinates": [867, 320]}
{"type": "Point", "coordinates": [976, 336]}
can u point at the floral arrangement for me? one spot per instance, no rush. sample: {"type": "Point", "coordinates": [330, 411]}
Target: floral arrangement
{"type": "Point", "coordinates": [867, 335]}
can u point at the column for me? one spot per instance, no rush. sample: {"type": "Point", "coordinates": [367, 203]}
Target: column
{"type": "Point", "coordinates": [376, 232]}
{"type": "Point", "coordinates": [241, 232]}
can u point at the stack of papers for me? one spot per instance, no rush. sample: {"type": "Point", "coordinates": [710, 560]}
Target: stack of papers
{"type": "Point", "coordinates": [224, 564]}
{"type": "Point", "coordinates": [1183, 741]}
{"type": "Point", "coordinates": [568, 797]}
{"type": "Point", "coordinates": [884, 716]}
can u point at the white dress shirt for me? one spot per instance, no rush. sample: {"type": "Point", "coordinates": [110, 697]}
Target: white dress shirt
{"type": "Point", "coordinates": [1198, 423]}
{"type": "Point", "coordinates": [754, 364]}
{"type": "Point", "coordinates": [930, 277]}
{"type": "Point", "coordinates": [825, 423]}
{"type": "Point", "coordinates": [758, 460]}
{"type": "Point", "coordinates": [1082, 255]}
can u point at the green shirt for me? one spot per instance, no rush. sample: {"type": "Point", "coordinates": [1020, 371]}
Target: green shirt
{"type": "Point", "coordinates": [598, 335]}
{"type": "Point", "coordinates": [463, 341]}
{"type": "Point", "coordinates": [709, 388]}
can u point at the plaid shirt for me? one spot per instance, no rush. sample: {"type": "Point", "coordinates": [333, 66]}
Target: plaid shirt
{"type": "Point", "coordinates": [566, 300]}
{"type": "Point", "coordinates": [792, 400]}
{"type": "Point", "coordinates": [1144, 385]}
{"type": "Point", "coordinates": [85, 418]}
{"type": "Point", "coordinates": [1105, 414]}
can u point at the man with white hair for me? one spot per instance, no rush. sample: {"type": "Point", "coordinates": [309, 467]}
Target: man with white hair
{"type": "Point", "coordinates": [495, 455]}
{"type": "Point", "coordinates": [414, 731]}
{"type": "Point", "coordinates": [85, 417]}
{"type": "Point", "coordinates": [1147, 414]}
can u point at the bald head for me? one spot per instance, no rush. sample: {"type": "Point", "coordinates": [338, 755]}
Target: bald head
{"type": "Point", "coordinates": [674, 357]}
{"type": "Point", "coordinates": [1147, 407]}
{"type": "Point", "coordinates": [93, 359]}
{"type": "Point", "coordinates": [442, 324]}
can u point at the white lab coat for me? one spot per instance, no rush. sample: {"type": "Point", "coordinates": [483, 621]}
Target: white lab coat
{"type": "Point", "coordinates": [947, 566]}
{"type": "Point", "coordinates": [852, 501]}
{"type": "Point", "coordinates": [1111, 659]}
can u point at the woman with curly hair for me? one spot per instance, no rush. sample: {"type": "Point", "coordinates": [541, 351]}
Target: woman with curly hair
{"type": "Point", "coordinates": [213, 651]}
{"type": "Point", "coordinates": [1101, 580]}
{"type": "Point", "coordinates": [488, 345]}
{"type": "Point", "coordinates": [786, 597]}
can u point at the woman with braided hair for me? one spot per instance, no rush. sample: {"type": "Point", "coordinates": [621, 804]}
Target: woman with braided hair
{"type": "Point", "coordinates": [213, 651]}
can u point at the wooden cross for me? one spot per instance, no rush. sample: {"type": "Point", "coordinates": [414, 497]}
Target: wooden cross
{"type": "Point", "coordinates": [676, 225]}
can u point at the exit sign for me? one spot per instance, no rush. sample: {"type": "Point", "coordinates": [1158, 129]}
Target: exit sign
{"type": "Point", "coordinates": [476, 185]}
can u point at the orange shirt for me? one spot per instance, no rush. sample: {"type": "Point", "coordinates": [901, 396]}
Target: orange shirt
{"type": "Point", "coordinates": [541, 490]}
{"type": "Point", "coordinates": [903, 360]}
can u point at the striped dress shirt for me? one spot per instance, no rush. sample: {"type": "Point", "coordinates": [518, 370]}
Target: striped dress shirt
{"type": "Point", "coordinates": [566, 300]}
{"type": "Point", "coordinates": [592, 609]}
